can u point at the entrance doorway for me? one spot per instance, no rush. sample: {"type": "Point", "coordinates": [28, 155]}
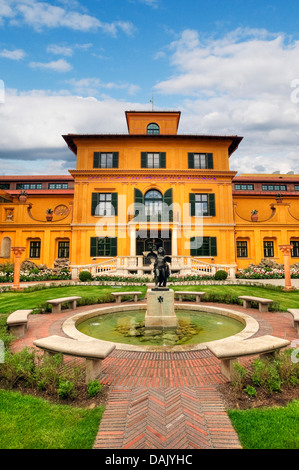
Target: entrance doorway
{"type": "Point", "coordinates": [144, 245]}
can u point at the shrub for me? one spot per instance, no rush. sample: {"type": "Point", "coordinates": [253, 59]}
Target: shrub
{"type": "Point", "coordinates": [85, 276]}
{"type": "Point", "coordinates": [240, 375]}
{"type": "Point", "coordinates": [18, 367]}
{"type": "Point", "coordinates": [251, 391]}
{"type": "Point", "coordinates": [220, 275]}
{"type": "Point", "coordinates": [66, 389]}
{"type": "Point", "coordinates": [93, 388]}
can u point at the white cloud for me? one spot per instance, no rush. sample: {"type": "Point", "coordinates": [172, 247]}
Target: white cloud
{"type": "Point", "coordinates": [16, 54]}
{"type": "Point", "coordinates": [92, 86]}
{"type": "Point", "coordinates": [40, 15]}
{"type": "Point", "coordinates": [60, 65]}
{"type": "Point", "coordinates": [32, 125]}
{"type": "Point", "coordinates": [60, 50]}
{"type": "Point", "coordinates": [239, 84]}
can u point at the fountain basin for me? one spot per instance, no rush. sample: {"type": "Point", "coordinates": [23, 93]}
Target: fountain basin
{"type": "Point", "coordinates": [249, 326]}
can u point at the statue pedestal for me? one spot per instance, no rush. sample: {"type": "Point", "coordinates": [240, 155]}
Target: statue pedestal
{"type": "Point", "coordinates": [160, 309]}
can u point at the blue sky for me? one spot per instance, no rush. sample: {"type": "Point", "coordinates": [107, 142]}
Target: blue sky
{"type": "Point", "coordinates": [72, 66]}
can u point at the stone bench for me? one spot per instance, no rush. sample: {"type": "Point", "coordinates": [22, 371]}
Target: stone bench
{"type": "Point", "coordinates": [229, 352]}
{"type": "Point", "coordinates": [295, 313]}
{"type": "Point", "coordinates": [17, 322]}
{"type": "Point", "coordinates": [187, 293]}
{"type": "Point", "coordinates": [262, 303]}
{"type": "Point", "coordinates": [93, 351]}
{"type": "Point", "coordinates": [56, 303]}
{"type": "Point", "coordinates": [119, 295]}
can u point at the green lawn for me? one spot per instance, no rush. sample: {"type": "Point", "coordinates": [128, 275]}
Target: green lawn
{"type": "Point", "coordinates": [11, 301]}
{"type": "Point", "coordinates": [268, 428]}
{"type": "Point", "coordinates": [285, 299]}
{"type": "Point", "coordinates": [28, 422]}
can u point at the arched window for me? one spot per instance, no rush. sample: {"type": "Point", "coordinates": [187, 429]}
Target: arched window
{"type": "Point", "coordinates": [153, 128]}
{"type": "Point", "coordinates": [153, 201]}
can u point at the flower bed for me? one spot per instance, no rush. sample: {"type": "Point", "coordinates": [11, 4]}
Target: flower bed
{"type": "Point", "coordinates": [265, 273]}
{"type": "Point", "coordinates": [27, 276]}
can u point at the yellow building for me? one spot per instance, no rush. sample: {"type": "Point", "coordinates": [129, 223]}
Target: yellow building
{"type": "Point", "coordinates": [131, 193]}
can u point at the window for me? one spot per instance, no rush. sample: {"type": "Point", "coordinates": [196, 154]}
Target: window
{"type": "Point", "coordinates": [34, 249]}
{"type": "Point", "coordinates": [105, 160]}
{"type": "Point", "coordinates": [4, 185]}
{"type": "Point", "coordinates": [242, 187]}
{"type": "Point", "coordinates": [242, 251]}
{"type": "Point", "coordinates": [203, 246]}
{"type": "Point", "coordinates": [295, 249]}
{"type": "Point", "coordinates": [58, 185]}
{"type": "Point", "coordinates": [268, 249]}
{"type": "Point", "coordinates": [153, 160]}
{"type": "Point", "coordinates": [202, 204]}
{"type": "Point", "coordinates": [104, 204]}
{"type": "Point", "coordinates": [153, 128]}
{"type": "Point", "coordinates": [296, 187]}
{"type": "Point", "coordinates": [200, 161]}
{"type": "Point", "coordinates": [153, 201]}
{"type": "Point", "coordinates": [29, 186]}
{"type": "Point", "coordinates": [274, 187]}
{"type": "Point", "coordinates": [103, 246]}
{"type": "Point", "coordinates": [63, 249]}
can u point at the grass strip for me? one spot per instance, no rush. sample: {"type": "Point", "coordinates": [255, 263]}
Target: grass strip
{"type": "Point", "coordinates": [28, 422]}
{"type": "Point", "coordinates": [268, 428]}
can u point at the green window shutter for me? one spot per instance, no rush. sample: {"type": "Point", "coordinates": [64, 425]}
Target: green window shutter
{"type": "Point", "coordinates": [113, 246]}
{"type": "Point", "coordinates": [93, 246]}
{"type": "Point", "coordinates": [138, 199]}
{"type": "Point", "coordinates": [210, 165]}
{"type": "Point", "coordinates": [162, 159]}
{"type": "Point", "coordinates": [190, 160]}
{"type": "Point", "coordinates": [213, 246]}
{"type": "Point", "coordinates": [193, 250]}
{"type": "Point", "coordinates": [115, 160]}
{"type": "Point", "coordinates": [167, 198]}
{"type": "Point", "coordinates": [138, 196]}
{"type": "Point", "coordinates": [96, 159]}
{"type": "Point", "coordinates": [143, 160]}
{"type": "Point", "coordinates": [114, 202]}
{"type": "Point", "coordinates": [192, 204]}
{"type": "Point", "coordinates": [212, 204]}
{"type": "Point", "coordinates": [94, 203]}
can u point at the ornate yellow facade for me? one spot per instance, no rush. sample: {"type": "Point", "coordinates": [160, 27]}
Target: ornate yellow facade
{"type": "Point", "coordinates": [151, 187]}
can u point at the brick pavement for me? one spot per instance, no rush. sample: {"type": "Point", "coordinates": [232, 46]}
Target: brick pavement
{"type": "Point", "coordinates": [163, 400]}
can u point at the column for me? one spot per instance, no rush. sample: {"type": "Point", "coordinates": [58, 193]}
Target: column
{"type": "Point", "coordinates": [132, 241]}
{"type": "Point", "coordinates": [174, 242]}
{"type": "Point", "coordinates": [17, 251]}
{"type": "Point", "coordinates": [286, 250]}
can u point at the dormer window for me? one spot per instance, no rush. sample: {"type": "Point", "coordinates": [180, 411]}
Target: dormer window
{"type": "Point", "coordinates": [153, 128]}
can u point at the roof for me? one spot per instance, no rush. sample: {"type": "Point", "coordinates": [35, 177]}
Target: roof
{"type": "Point", "coordinates": [37, 192]}
{"type": "Point", "coordinates": [274, 177]}
{"type": "Point", "coordinates": [71, 138]}
{"type": "Point", "coordinates": [36, 177]}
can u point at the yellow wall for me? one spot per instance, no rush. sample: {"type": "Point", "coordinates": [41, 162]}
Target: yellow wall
{"type": "Point", "coordinates": [30, 225]}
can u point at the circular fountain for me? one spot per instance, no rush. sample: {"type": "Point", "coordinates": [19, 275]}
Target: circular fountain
{"type": "Point", "coordinates": [161, 324]}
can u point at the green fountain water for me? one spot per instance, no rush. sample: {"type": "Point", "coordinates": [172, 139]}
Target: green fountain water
{"type": "Point", "coordinates": [194, 327]}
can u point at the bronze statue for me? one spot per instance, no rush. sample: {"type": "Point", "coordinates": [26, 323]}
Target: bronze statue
{"type": "Point", "coordinates": [161, 267]}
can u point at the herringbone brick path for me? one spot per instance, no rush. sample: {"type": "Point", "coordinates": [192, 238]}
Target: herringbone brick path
{"type": "Point", "coordinates": [164, 401]}
{"type": "Point", "coordinates": [166, 418]}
